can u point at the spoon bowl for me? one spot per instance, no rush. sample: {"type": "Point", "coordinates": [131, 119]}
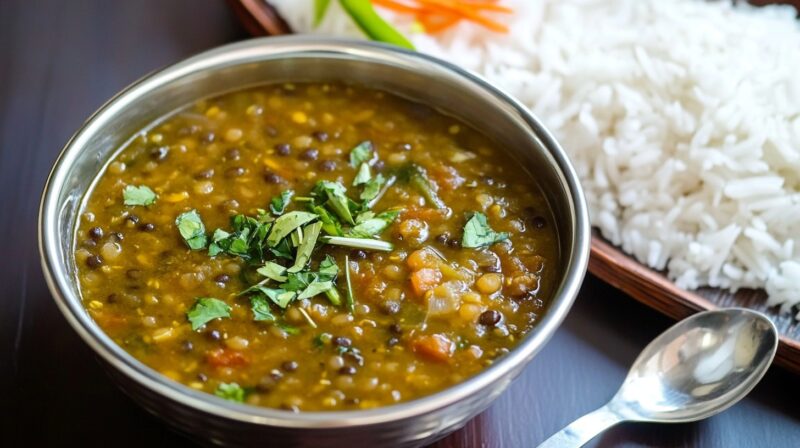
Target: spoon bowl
{"type": "Point", "coordinates": [695, 369]}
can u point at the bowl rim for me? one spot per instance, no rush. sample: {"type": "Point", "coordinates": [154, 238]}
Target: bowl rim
{"type": "Point", "coordinates": [58, 280]}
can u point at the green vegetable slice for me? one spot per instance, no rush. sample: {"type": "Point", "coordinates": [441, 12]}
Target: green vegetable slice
{"type": "Point", "coordinates": [358, 243]}
{"type": "Point", "coordinates": [284, 225]}
{"type": "Point", "coordinates": [477, 233]}
{"type": "Point", "coordinates": [306, 247]}
{"type": "Point", "coordinates": [141, 195]}
{"type": "Point", "coordinates": [207, 309]}
{"type": "Point", "coordinates": [365, 17]}
{"type": "Point", "coordinates": [320, 8]}
{"type": "Point", "coordinates": [191, 228]}
{"type": "Point", "coordinates": [230, 391]}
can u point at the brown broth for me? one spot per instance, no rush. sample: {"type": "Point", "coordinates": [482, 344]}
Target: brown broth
{"type": "Point", "coordinates": [230, 155]}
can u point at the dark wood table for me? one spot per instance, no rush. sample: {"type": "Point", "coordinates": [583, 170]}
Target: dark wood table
{"type": "Point", "coordinates": [59, 61]}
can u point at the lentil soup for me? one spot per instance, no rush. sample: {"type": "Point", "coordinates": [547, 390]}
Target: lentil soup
{"type": "Point", "coordinates": [315, 247]}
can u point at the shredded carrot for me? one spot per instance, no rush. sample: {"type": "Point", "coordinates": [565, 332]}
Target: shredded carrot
{"type": "Point", "coordinates": [434, 23]}
{"type": "Point", "coordinates": [438, 15]}
{"type": "Point", "coordinates": [466, 12]}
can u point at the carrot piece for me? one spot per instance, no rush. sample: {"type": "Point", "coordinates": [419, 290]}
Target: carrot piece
{"type": "Point", "coordinates": [397, 6]}
{"type": "Point", "coordinates": [466, 12]}
{"type": "Point", "coordinates": [434, 24]}
{"type": "Point", "coordinates": [436, 347]}
{"type": "Point", "coordinates": [226, 358]}
{"type": "Point", "coordinates": [438, 15]}
{"type": "Point", "coordinates": [425, 279]}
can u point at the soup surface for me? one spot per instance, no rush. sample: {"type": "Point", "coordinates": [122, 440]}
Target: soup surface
{"type": "Point", "coordinates": [315, 247]}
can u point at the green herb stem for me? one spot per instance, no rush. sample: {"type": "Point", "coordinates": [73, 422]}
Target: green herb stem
{"type": "Point", "coordinates": [358, 243]}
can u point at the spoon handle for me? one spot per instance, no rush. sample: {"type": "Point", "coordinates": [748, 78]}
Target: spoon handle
{"type": "Point", "coordinates": [584, 429]}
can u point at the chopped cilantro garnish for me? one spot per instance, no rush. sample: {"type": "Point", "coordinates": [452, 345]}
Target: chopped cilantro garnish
{"type": "Point", "coordinates": [260, 308]}
{"type": "Point", "coordinates": [330, 224]}
{"type": "Point", "coordinates": [328, 268]}
{"type": "Point", "coordinates": [363, 175]}
{"type": "Point", "coordinates": [230, 391]}
{"type": "Point", "coordinates": [372, 188]}
{"type": "Point", "coordinates": [286, 224]}
{"type": "Point", "coordinates": [141, 195]}
{"type": "Point", "coordinates": [306, 247]}
{"type": "Point", "coordinates": [192, 229]}
{"type": "Point", "coordinates": [336, 199]}
{"type": "Point", "coordinates": [362, 153]}
{"type": "Point", "coordinates": [373, 225]}
{"type": "Point", "coordinates": [418, 178]}
{"type": "Point", "coordinates": [273, 271]}
{"type": "Point", "coordinates": [291, 329]}
{"type": "Point", "coordinates": [315, 288]}
{"type": "Point", "coordinates": [207, 309]}
{"type": "Point", "coordinates": [278, 204]}
{"type": "Point", "coordinates": [477, 233]}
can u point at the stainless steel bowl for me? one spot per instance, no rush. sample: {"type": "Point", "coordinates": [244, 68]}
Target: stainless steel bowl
{"type": "Point", "coordinates": [297, 59]}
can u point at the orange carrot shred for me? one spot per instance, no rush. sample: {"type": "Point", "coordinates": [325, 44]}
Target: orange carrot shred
{"type": "Point", "coordinates": [437, 15]}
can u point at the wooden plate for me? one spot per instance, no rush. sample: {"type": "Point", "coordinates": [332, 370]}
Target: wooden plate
{"type": "Point", "coordinates": [608, 262]}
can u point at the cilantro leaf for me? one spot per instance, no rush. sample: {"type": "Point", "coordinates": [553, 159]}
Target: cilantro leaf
{"type": "Point", "coordinates": [372, 188]}
{"type": "Point", "coordinates": [284, 225]}
{"type": "Point", "coordinates": [207, 309]}
{"type": "Point", "coordinates": [273, 271]}
{"type": "Point", "coordinates": [315, 288]}
{"type": "Point", "coordinates": [362, 153]}
{"type": "Point", "coordinates": [283, 250]}
{"type": "Point", "coordinates": [328, 269]}
{"type": "Point", "coordinates": [298, 281]}
{"type": "Point", "coordinates": [330, 224]}
{"type": "Point", "coordinates": [363, 175]}
{"type": "Point", "coordinates": [245, 241]}
{"type": "Point", "coordinates": [261, 310]}
{"type": "Point", "coordinates": [192, 229]}
{"type": "Point", "coordinates": [418, 178]}
{"type": "Point", "coordinates": [291, 329]}
{"type": "Point", "coordinates": [337, 199]}
{"type": "Point", "coordinates": [230, 391]}
{"type": "Point", "coordinates": [306, 247]}
{"type": "Point", "coordinates": [278, 204]}
{"type": "Point", "coordinates": [477, 233]}
{"type": "Point", "coordinates": [141, 195]}
{"type": "Point", "coordinates": [369, 227]}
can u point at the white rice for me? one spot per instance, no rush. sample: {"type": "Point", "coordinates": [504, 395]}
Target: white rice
{"type": "Point", "coordinates": [682, 118]}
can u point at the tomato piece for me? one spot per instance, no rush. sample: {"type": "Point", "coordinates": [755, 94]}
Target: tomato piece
{"type": "Point", "coordinates": [222, 357]}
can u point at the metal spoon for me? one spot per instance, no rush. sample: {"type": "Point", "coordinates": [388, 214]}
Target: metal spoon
{"type": "Point", "coordinates": [697, 368]}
